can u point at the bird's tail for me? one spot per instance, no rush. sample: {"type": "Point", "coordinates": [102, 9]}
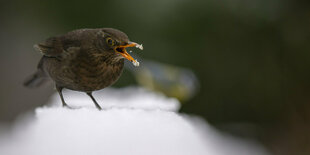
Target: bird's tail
{"type": "Point", "coordinates": [35, 80]}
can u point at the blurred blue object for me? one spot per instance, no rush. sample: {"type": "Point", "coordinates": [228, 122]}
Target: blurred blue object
{"type": "Point", "coordinates": [173, 81]}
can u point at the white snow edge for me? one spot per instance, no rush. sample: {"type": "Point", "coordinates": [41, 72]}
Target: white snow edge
{"type": "Point", "coordinates": [135, 122]}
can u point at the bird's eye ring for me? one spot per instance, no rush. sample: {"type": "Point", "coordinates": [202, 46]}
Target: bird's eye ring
{"type": "Point", "coordinates": [110, 41]}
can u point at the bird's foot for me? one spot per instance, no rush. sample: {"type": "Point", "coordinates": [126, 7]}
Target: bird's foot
{"type": "Point", "coordinates": [99, 108]}
{"type": "Point", "coordinates": [69, 107]}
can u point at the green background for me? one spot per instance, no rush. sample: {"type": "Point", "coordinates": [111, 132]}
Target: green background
{"type": "Point", "coordinates": [251, 57]}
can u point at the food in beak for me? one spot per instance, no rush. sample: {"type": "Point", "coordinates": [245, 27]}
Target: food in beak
{"type": "Point", "coordinates": [122, 50]}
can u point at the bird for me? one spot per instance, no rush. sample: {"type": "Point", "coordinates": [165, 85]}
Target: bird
{"type": "Point", "coordinates": [84, 60]}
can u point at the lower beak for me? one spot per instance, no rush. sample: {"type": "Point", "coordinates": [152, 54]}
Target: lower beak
{"type": "Point", "coordinates": [122, 51]}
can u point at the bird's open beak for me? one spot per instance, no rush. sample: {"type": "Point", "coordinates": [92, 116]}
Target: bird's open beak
{"type": "Point", "coordinates": [122, 50]}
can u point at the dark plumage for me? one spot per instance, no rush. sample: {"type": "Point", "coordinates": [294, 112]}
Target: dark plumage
{"type": "Point", "coordinates": [83, 60]}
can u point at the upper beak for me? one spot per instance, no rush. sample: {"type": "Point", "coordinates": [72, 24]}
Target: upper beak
{"type": "Point", "coordinates": [122, 50]}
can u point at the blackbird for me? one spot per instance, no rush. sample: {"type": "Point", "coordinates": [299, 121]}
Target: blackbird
{"type": "Point", "coordinates": [83, 60]}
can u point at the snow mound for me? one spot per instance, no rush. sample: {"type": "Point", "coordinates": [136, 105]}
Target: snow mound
{"type": "Point", "coordinates": [134, 122]}
{"type": "Point", "coordinates": [130, 97]}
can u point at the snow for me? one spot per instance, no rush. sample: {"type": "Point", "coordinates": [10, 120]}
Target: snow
{"type": "Point", "coordinates": [135, 63]}
{"type": "Point", "coordinates": [134, 122]}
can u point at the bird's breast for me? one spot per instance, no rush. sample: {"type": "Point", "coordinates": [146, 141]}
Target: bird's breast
{"type": "Point", "coordinates": [96, 74]}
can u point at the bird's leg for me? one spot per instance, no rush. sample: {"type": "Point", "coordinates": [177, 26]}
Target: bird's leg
{"type": "Point", "coordinates": [95, 102]}
{"type": "Point", "coordinates": [59, 90]}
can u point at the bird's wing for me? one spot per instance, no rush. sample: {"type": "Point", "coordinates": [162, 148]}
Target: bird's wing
{"type": "Point", "coordinates": [51, 47]}
{"type": "Point", "coordinates": [59, 45]}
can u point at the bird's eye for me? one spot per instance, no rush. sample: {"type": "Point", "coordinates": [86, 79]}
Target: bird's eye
{"type": "Point", "coordinates": [110, 41]}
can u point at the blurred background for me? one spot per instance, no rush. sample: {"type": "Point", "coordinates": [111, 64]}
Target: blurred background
{"type": "Point", "coordinates": [250, 58]}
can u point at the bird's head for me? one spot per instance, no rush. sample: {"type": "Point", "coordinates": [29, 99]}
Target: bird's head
{"type": "Point", "coordinates": [116, 41]}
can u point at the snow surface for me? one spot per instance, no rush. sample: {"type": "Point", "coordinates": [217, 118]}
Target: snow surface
{"type": "Point", "coordinates": [135, 122]}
